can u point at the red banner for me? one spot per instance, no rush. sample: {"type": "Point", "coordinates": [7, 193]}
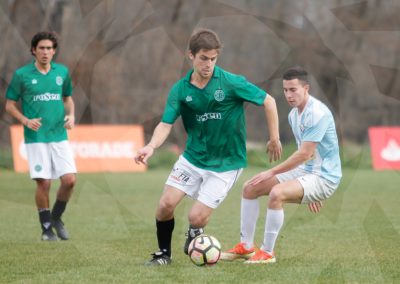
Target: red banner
{"type": "Point", "coordinates": [385, 147]}
{"type": "Point", "coordinates": [96, 148]}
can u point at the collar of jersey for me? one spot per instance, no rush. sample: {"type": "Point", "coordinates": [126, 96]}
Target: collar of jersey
{"type": "Point", "coordinates": [52, 65]}
{"type": "Point", "coordinates": [216, 74]}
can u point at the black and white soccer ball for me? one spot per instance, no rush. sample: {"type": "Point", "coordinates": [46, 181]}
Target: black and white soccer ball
{"type": "Point", "coordinates": [204, 250]}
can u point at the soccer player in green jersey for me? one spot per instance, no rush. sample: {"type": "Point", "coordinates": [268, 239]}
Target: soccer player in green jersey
{"type": "Point", "coordinates": [210, 101]}
{"type": "Point", "coordinates": [45, 90]}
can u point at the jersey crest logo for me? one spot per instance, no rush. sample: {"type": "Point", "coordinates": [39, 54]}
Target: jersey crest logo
{"type": "Point", "coordinates": [219, 95]}
{"type": "Point", "coordinates": [189, 98]}
{"type": "Point", "coordinates": [59, 80]}
{"type": "Point", "coordinates": [34, 81]}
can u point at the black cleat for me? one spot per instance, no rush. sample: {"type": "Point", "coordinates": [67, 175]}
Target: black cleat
{"type": "Point", "coordinates": [190, 235]}
{"type": "Point", "coordinates": [49, 236]}
{"type": "Point", "coordinates": [58, 225]}
{"type": "Point", "coordinates": [159, 258]}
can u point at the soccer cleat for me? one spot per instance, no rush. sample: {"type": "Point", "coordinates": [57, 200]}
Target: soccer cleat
{"type": "Point", "coordinates": [238, 251]}
{"type": "Point", "coordinates": [190, 235]}
{"type": "Point", "coordinates": [261, 257]}
{"type": "Point", "coordinates": [58, 225]}
{"type": "Point", "coordinates": [159, 258]}
{"type": "Point", "coordinates": [49, 236]}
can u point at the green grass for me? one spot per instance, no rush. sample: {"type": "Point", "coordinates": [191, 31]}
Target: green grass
{"type": "Point", "coordinates": [355, 239]}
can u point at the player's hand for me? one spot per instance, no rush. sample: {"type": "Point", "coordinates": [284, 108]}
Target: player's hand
{"type": "Point", "coordinates": [315, 207]}
{"type": "Point", "coordinates": [263, 176]}
{"type": "Point", "coordinates": [274, 150]}
{"type": "Point", "coordinates": [34, 123]}
{"type": "Point", "coordinates": [69, 121]}
{"type": "Point", "coordinates": [144, 154]}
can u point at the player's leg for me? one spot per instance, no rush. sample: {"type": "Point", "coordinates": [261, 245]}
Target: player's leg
{"type": "Point", "coordinates": [250, 208]}
{"type": "Point", "coordinates": [286, 192]}
{"type": "Point", "coordinates": [165, 224]}
{"type": "Point", "coordinates": [40, 171]}
{"type": "Point", "coordinates": [212, 191]}
{"type": "Point", "coordinates": [65, 169]}
{"type": "Point", "coordinates": [42, 204]}
{"type": "Point", "coordinates": [64, 193]}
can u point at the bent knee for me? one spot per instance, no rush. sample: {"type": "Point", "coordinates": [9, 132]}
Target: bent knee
{"type": "Point", "coordinates": [166, 206]}
{"type": "Point", "coordinates": [68, 181]}
{"type": "Point", "coordinates": [276, 194]}
{"type": "Point", "coordinates": [198, 220]}
{"type": "Point", "coordinates": [249, 191]}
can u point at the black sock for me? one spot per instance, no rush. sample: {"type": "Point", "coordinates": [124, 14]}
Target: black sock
{"type": "Point", "coordinates": [58, 209]}
{"type": "Point", "coordinates": [164, 235]}
{"type": "Point", "coordinates": [44, 218]}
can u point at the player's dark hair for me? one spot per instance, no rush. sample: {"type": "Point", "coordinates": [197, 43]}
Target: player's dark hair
{"type": "Point", "coordinates": [41, 36]}
{"type": "Point", "coordinates": [204, 39]}
{"type": "Point", "coordinates": [296, 72]}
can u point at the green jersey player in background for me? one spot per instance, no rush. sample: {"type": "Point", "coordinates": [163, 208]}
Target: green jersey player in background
{"type": "Point", "coordinates": [45, 90]}
{"type": "Point", "coordinates": [210, 101]}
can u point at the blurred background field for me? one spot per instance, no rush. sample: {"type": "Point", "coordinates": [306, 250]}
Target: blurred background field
{"type": "Point", "coordinates": [354, 239]}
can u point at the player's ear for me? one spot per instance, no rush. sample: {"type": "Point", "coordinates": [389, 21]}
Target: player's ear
{"type": "Point", "coordinates": [191, 56]}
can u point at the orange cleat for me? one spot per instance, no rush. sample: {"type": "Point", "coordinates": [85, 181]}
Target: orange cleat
{"type": "Point", "coordinates": [238, 251]}
{"type": "Point", "coordinates": [261, 257]}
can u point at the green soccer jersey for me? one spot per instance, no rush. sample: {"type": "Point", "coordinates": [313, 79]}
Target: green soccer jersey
{"type": "Point", "coordinates": [42, 97]}
{"type": "Point", "coordinates": [214, 119]}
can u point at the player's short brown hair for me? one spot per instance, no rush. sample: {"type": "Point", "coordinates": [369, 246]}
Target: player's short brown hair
{"type": "Point", "coordinates": [204, 39]}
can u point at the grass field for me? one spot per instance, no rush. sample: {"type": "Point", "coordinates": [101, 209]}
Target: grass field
{"type": "Point", "coordinates": [355, 239]}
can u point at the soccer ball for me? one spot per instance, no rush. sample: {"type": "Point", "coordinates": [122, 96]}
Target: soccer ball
{"type": "Point", "coordinates": [204, 250]}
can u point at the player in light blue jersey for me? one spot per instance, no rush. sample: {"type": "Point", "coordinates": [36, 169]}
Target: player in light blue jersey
{"type": "Point", "coordinates": [309, 175]}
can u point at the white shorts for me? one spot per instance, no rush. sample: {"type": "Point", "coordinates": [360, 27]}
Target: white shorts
{"type": "Point", "coordinates": [315, 187]}
{"type": "Point", "coordinates": [208, 187]}
{"type": "Point", "coordinates": [50, 160]}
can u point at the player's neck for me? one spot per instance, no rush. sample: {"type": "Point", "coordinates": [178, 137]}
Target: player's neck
{"type": "Point", "coordinates": [302, 106]}
{"type": "Point", "coordinates": [42, 68]}
{"type": "Point", "coordinates": [199, 81]}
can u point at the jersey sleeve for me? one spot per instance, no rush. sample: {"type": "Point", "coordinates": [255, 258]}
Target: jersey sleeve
{"type": "Point", "coordinates": [67, 86]}
{"type": "Point", "coordinates": [315, 128]}
{"type": "Point", "coordinates": [15, 89]}
{"type": "Point", "coordinates": [249, 92]}
{"type": "Point", "coordinates": [172, 107]}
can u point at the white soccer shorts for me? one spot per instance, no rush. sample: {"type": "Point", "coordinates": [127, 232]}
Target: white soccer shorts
{"type": "Point", "coordinates": [208, 187]}
{"type": "Point", "coordinates": [315, 187]}
{"type": "Point", "coordinates": [50, 160]}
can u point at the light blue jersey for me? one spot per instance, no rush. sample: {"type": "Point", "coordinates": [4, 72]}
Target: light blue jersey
{"type": "Point", "coordinates": [316, 124]}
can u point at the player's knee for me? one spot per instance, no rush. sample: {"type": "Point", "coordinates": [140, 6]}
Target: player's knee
{"type": "Point", "coordinates": [166, 206]}
{"type": "Point", "coordinates": [276, 194]}
{"type": "Point", "coordinates": [197, 220]}
{"type": "Point", "coordinates": [43, 185]}
{"type": "Point", "coordinates": [68, 181]}
{"type": "Point", "coordinates": [249, 191]}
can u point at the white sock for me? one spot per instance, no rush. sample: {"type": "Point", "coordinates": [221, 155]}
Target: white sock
{"type": "Point", "coordinates": [248, 219]}
{"type": "Point", "coordinates": [273, 225]}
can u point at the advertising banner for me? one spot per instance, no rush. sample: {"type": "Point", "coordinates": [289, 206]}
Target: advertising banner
{"type": "Point", "coordinates": [96, 148]}
{"type": "Point", "coordinates": [385, 147]}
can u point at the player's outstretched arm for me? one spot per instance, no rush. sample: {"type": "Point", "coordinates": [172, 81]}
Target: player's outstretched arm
{"type": "Point", "coordinates": [12, 109]}
{"type": "Point", "coordinates": [274, 146]}
{"type": "Point", "coordinates": [160, 134]}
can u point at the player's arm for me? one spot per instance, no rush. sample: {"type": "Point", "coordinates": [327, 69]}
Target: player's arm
{"type": "Point", "coordinates": [160, 134]}
{"type": "Point", "coordinates": [69, 119]}
{"type": "Point", "coordinates": [274, 146]}
{"type": "Point", "coordinates": [12, 109]}
{"type": "Point", "coordinates": [305, 153]}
